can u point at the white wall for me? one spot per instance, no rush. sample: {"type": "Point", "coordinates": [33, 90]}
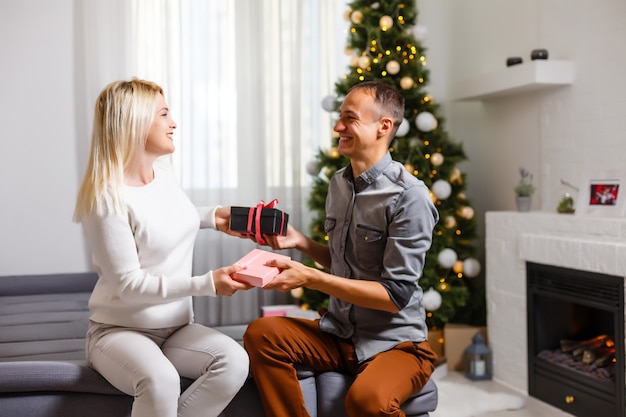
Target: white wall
{"type": "Point", "coordinates": [557, 134]}
{"type": "Point", "coordinates": [38, 173]}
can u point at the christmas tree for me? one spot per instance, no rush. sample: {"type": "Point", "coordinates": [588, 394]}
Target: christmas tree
{"type": "Point", "coordinates": [385, 44]}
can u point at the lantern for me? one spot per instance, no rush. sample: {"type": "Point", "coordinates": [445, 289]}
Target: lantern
{"type": "Point", "coordinates": [477, 360]}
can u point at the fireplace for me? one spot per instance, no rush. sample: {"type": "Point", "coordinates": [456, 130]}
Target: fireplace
{"type": "Point", "coordinates": [576, 340]}
{"type": "Point", "coordinates": [595, 245]}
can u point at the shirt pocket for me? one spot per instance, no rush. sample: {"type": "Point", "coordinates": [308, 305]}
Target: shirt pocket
{"type": "Point", "coordinates": [370, 244]}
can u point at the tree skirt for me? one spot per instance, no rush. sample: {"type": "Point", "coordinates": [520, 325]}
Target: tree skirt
{"type": "Point", "coordinates": [462, 400]}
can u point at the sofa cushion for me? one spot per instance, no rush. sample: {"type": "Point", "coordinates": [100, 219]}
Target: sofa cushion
{"type": "Point", "coordinates": [333, 386]}
{"type": "Point", "coordinates": [34, 376]}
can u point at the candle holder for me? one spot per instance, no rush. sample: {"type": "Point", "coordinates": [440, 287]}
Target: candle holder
{"type": "Point", "coordinates": [477, 360]}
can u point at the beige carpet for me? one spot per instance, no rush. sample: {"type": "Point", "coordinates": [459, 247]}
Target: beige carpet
{"type": "Point", "coordinates": [463, 400]}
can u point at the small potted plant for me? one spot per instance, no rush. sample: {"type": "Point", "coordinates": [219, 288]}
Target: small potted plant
{"type": "Point", "coordinates": [524, 190]}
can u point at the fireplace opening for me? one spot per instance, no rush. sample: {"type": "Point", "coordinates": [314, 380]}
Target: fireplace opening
{"type": "Point", "coordinates": [576, 340]}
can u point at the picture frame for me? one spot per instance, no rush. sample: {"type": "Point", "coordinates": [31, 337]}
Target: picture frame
{"type": "Point", "coordinates": [603, 194]}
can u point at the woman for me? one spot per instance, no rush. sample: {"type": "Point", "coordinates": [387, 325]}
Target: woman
{"type": "Point", "coordinates": [141, 228]}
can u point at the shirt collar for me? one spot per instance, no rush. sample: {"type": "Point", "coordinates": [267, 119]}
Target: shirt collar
{"type": "Point", "coordinates": [368, 177]}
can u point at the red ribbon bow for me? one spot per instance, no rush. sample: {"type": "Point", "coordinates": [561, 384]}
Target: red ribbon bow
{"type": "Point", "coordinates": [257, 218]}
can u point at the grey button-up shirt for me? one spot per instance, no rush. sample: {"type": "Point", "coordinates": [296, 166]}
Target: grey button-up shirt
{"type": "Point", "coordinates": [379, 226]}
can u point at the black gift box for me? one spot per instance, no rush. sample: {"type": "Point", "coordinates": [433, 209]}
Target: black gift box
{"type": "Point", "coordinates": [273, 221]}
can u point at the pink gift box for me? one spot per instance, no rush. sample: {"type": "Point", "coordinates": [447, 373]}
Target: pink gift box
{"type": "Point", "coordinates": [254, 271]}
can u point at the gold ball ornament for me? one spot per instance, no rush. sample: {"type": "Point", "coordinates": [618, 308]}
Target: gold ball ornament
{"type": "Point", "coordinates": [458, 267]}
{"type": "Point", "coordinates": [385, 22]}
{"type": "Point", "coordinates": [466, 212]}
{"type": "Point", "coordinates": [356, 17]}
{"type": "Point", "coordinates": [364, 62]}
{"type": "Point", "coordinates": [449, 222]}
{"type": "Point", "coordinates": [406, 83]}
{"type": "Point", "coordinates": [354, 62]}
{"type": "Point", "coordinates": [436, 159]}
{"type": "Point", "coordinates": [393, 67]}
{"type": "Point", "coordinates": [455, 176]}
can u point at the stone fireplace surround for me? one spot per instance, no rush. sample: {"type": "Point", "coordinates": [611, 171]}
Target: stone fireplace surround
{"type": "Point", "coordinates": [596, 244]}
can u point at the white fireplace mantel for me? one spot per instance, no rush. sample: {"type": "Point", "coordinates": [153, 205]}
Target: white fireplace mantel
{"type": "Point", "coordinates": [595, 244]}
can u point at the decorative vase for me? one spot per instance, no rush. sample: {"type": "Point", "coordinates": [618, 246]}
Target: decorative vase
{"type": "Point", "coordinates": [523, 202]}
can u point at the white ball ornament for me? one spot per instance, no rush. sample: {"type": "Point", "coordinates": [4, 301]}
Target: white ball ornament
{"type": "Point", "coordinates": [403, 129]}
{"type": "Point", "coordinates": [385, 22]}
{"type": "Point", "coordinates": [421, 33]}
{"type": "Point", "coordinates": [406, 83]}
{"type": "Point", "coordinates": [329, 103]}
{"type": "Point", "coordinates": [436, 159]}
{"type": "Point", "coordinates": [471, 267]}
{"type": "Point", "coordinates": [313, 168]}
{"type": "Point", "coordinates": [393, 67]}
{"type": "Point", "coordinates": [426, 122]}
{"type": "Point", "coordinates": [431, 300]}
{"type": "Point", "coordinates": [447, 258]}
{"type": "Point", "coordinates": [442, 189]}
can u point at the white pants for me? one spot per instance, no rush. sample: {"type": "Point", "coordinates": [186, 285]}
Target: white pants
{"type": "Point", "coordinates": [147, 364]}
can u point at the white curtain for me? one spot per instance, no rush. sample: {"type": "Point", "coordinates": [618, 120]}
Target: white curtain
{"type": "Point", "coordinates": [244, 80]}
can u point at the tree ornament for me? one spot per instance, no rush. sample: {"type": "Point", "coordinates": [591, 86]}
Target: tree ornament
{"type": "Point", "coordinates": [313, 168]}
{"type": "Point", "coordinates": [436, 159]}
{"type": "Point", "coordinates": [458, 267]}
{"type": "Point", "coordinates": [385, 22]}
{"type": "Point", "coordinates": [403, 129]}
{"type": "Point", "coordinates": [447, 258]}
{"type": "Point", "coordinates": [297, 293]}
{"type": "Point", "coordinates": [455, 176]}
{"type": "Point", "coordinates": [466, 212]}
{"type": "Point", "coordinates": [348, 51]}
{"type": "Point", "coordinates": [375, 6]}
{"type": "Point", "coordinates": [471, 267]}
{"type": "Point", "coordinates": [347, 14]}
{"type": "Point", "coordinates": [449, 222]}
{"type": "Point", "coordinates": [333, 152]}
{"type": "Point", "coordinates": [364, 62]}
{"type": "Point", "coordinates": [406, 83]}
{"type": "Point", "coordinates": [442, 189]}
{"type": "Point", "coordinates": [329, 103]}
{"type": "Point", "coordinates": [421, 33]}
{"type": "Point", "coordinates": [431, 300]}
{"type": "Point", "coordinates": [356, 17]}
{"type": "Point", "coordinates": [354, 62]}
{"type": "Point", "coordinates": [393, 67]}
{"type": "Point", "coordinates": [409, 168]}
{"type": "Point", "coordinates": [426, 122]}
{"type": "Point", "coordinates": [415, 142]}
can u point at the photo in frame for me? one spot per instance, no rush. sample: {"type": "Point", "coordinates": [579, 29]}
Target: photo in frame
{"type": "Point", "coordinates": [603, 194]}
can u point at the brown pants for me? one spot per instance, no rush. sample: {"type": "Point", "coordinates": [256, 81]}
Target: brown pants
{"type": "Point", "coordinates": [382, 383]}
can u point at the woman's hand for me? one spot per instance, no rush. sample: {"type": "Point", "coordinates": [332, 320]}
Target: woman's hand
{"type": "Point", "coordinates": [224, 282]}
{"type": "Point", "coordinates": [222, 222]}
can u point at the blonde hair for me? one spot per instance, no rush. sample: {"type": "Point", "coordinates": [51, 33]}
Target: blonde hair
{"type": "Point", "coordinates": [123, 115]}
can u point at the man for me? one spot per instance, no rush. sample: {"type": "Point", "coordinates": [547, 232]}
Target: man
{"type": "Point", "coordinates": [379, 221]}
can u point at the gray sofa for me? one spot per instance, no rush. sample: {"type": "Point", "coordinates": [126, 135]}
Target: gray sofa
{"type": "Point", "coordinates": [43, 373]}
